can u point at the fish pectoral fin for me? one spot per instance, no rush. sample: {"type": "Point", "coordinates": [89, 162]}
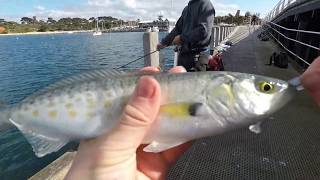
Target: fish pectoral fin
{"type": "Point", "coordinates": [157, 147]}
{"type": "Point", "coordinates": [256, 128]}
{"type": "Point", "coordinates": [180, 110]}
{"type": "Point", "coordinates": [41, 144]}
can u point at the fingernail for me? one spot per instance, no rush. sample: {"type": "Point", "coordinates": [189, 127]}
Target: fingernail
{"type": "Point", "coordinates": [145, 88]}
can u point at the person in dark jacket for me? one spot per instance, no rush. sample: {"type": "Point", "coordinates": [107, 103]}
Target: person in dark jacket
{"type": "Point", "coordinates": [254, 20]}
{"type": "Point", "coordinates": [192, 32]}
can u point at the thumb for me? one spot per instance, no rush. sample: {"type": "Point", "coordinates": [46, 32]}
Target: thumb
{"type": "Point", "coordinates": [137, 117]}
{"type": "Point", "coordinates": [114, 154]}
{"type": "Point", "coordinates": [140, 112]}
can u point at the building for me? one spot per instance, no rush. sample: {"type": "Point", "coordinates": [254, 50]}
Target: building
{"type": "Point", "coordinates": [163, 25]}
{"type": "Point", "coordinates": [132, 23]}
{"type": "Point", "coordinates": [2, 21]}
{"type": "Point", "coordinates": [237, 14]}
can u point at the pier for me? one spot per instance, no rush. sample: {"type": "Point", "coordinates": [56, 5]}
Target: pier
{"type": "Point", "coordinates": [289, 145]}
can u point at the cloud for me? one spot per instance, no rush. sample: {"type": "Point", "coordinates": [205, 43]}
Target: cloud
{"type": "Point", "coordinates": [128, 9]}
{"type": "Point", "coordinates": [39, 8]}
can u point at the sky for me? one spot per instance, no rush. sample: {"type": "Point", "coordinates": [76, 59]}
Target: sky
{"type": "Point", "coordinates": [124, 9]}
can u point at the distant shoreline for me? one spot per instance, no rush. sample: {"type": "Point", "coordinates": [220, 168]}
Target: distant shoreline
{"type": "Point", "coordinates": [71, 32]}
{"type": "Point", "coordinates": [44, 33]}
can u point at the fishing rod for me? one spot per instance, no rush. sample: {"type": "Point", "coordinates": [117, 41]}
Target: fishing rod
{"type": "Point", "coordinates": [139, 58]}
{"type": "Point", "coordinates": [295, 82]}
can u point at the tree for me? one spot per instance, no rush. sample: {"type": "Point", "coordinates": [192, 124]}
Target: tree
{"type": "Point", "coordinates": [63, 24]}
{"type": "Point", "coordinates": [26, 20]}
{"type": "Point", "coordinates": [160, 18]}
{"type": "Point", "coordinates": [43, 28]}
{"type": "Point", "coordinates": [51, 21]}
{"type": "Point", "coordinates": [34, 19]}
{"type": "Point", "coordinates": [248, 14]}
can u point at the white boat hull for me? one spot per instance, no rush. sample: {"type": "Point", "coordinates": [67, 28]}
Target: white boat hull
{"type": "Point", "coordinates": [97, 33]}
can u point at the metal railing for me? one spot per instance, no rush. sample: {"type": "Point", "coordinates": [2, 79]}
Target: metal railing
{"type": "Point", "coordinates": [294, 30]}
{"type": "Point", "coordinates": [302, 43]}
{"type": "Point", "coordinates": [288, 50]}
{"type": "Point", "coordinates": [280, 33]}
{"type": "Point", "coordinates": [220, 34]}
{"type": "Point", "coordinates": [279, 8]}
{"type": "Point", "coordinates": [272, 26]}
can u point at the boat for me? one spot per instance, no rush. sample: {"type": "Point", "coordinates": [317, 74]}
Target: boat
{"type": "Point", "coordinates": [149, 29]}
{"type": "Point", "coordinates": [98, 32]}
{"type": "Point", "coordinates": [155, 29]}
{"type": "Point", "coordinates": [170, 28]}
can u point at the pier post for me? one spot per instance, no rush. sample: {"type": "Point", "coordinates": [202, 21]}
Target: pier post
{"type": "Point", "coordinates": [226, 32]}
{"type": "Point", "coordinates": [217, 36]}
{"type": "Point", "coordinates": [150, 41]}
{"type": "Point", "coordinates": [213, 39]}
{"type": "Point", "coordinates": [221, 34]}
{"type": "Point", "coordinates": [175, 59]}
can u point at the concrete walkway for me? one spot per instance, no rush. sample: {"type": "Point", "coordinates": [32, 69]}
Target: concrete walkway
{"type": "Point", "coordinates": [288, 147]}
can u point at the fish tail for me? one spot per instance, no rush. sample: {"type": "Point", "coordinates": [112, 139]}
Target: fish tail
{"type": "Point", "coordinates": [4, 117]}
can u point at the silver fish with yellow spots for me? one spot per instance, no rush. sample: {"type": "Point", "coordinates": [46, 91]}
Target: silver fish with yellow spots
{"type": "Point", "coordinates": [195, 105]}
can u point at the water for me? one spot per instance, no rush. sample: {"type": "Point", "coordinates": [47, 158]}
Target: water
{"type": "Point", "coordinates": [29, 63]}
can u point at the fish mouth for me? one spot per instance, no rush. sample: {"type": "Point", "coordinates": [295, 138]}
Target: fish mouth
{"type": "Point", "coordinates": [283, 100]}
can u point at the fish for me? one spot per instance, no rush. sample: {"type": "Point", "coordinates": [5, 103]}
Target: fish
{"type": "Point", "coordinates": [193, 106]}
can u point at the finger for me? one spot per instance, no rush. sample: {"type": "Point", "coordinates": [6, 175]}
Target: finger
{"type": "Point", "coordinates": [150, 70]}
{"type": "Point", "coordinates": [178, 69]}
{"type": "Point", "coordinates": [172, 155]}
{"type": "Point", "coordinates": [311, 82]}
{"type": "Point", "coordinates": [151, 164]}
{"type": "Point", "coordinates": [316, 64]}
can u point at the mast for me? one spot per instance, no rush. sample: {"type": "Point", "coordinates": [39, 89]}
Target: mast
{"type": "Point", "coordinates": [97, 25]}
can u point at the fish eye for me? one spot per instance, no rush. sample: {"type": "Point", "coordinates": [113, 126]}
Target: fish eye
{"type": "Point", "coordinates": [266, 87]}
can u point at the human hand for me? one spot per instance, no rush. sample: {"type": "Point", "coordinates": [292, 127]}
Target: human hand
{"type": "Point", "coordinates": [177, 40]}
{"type": "Point", "coordinates": [311, 80]}
{"type": "Point", "coordinates": [160, 46]}
{"type": "Point", "coordinates": [118, 155]}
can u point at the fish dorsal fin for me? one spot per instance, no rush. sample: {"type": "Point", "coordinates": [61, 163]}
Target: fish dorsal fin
{"type": "Point", "coordinates": [88, 76]}
{"type": "Point", "coordinates": [41, 144]}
